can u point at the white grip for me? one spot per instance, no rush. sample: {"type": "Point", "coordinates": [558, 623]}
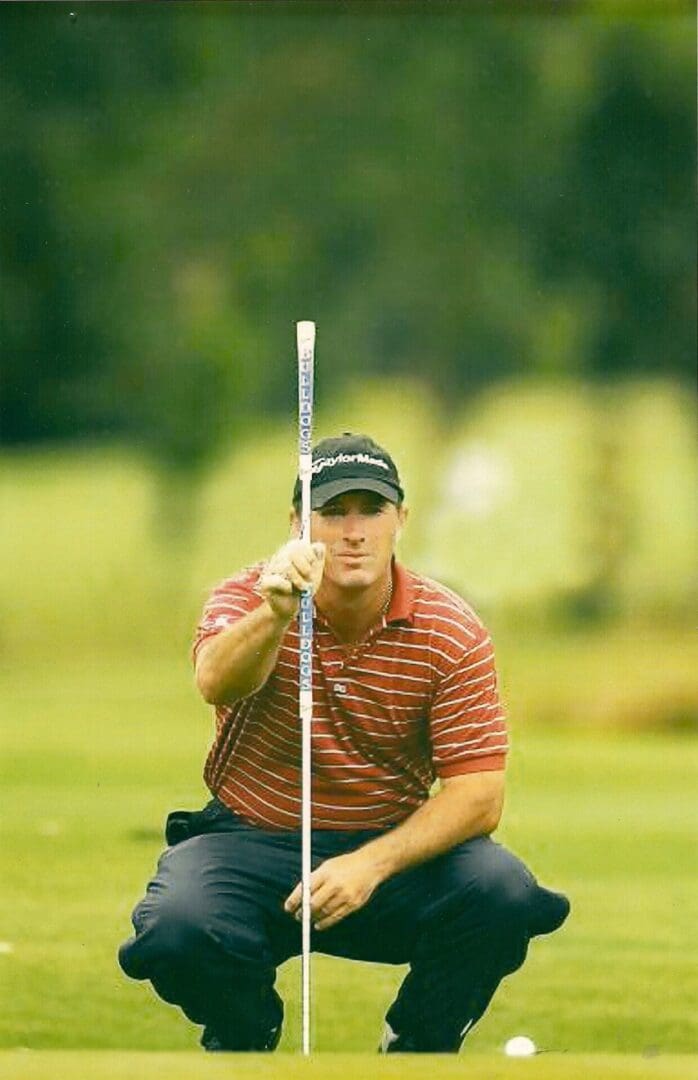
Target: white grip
{"type": "Point", "coordinates": [305, 336]}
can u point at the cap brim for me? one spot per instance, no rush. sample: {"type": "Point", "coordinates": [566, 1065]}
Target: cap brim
{"type": "Point", "coordinates": [324, 492]}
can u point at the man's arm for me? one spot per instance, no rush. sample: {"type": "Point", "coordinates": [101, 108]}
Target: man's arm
{"type": "Point", "coordinates": [465, 806]}
{"type": "Point", "coordinates": [240, 659]}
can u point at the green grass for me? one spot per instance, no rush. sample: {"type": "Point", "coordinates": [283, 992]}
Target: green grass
{"type": "Point", "coordinates": [98, 751]}
{"type": "Point", "coordinates": [159, 1066]}
{"type": "Point", "coordinates": [626, 678]}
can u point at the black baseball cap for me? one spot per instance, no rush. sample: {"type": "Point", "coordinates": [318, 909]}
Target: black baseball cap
{"type": "Point", "coordinates": [350, 463]}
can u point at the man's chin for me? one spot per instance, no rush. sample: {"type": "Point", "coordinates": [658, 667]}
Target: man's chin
{"type": "Point", "coordinates": [353, 577]}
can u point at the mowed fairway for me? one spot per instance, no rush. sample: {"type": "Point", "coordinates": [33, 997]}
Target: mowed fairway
{"type": "Point", "coordinates": [126, 1065]}
{"type": "Point", "coordinates": [97, 752]}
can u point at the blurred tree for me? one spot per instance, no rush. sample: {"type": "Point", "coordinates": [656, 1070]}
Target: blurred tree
{"type": "Point", "coordinates": [64, 141]}
{"type": "Point", "coordinates": [619, 227]}
{"type": "Point", "coordinates": [454, 192]}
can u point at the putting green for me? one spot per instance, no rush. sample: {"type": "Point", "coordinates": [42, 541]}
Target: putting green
{"type": "Point", "coordinates": [118, 1065]}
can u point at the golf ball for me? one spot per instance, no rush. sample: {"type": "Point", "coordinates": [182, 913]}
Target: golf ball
{"type": "Point", "coordinates": [520, 1046]}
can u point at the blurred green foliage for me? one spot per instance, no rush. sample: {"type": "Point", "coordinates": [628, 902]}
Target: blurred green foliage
{"type": "Point", "coordinates": [457, 193]}
{"type": "Point", "coordinates": [572, 497]}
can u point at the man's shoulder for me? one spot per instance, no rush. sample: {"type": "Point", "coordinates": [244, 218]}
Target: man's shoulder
{"type": "Point", "coordinates": [231, 599]}
{"type": "Point", "coordinates": [434, 602]}
{"type": "Point", "coordinates": [242, 581]}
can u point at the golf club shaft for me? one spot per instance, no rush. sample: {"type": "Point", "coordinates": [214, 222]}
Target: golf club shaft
{"type": "Point", "coordinates": [305, 332]}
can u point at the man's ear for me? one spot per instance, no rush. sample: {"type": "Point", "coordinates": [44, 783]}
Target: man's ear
{"type": "Point", "coordinates": [402, 515]}
{"type": "Point", "coordinates": [294, 522]}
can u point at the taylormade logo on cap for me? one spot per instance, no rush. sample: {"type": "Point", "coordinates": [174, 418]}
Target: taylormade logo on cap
{"type": "Point", "coordinates": [347, 459]}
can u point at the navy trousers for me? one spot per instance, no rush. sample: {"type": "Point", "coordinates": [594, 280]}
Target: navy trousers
{"type": "Point", "coordinates": [211, 931]}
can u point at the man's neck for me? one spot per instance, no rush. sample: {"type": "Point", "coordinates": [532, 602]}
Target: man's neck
{"type": "Point", "coordinates": [353, 612]}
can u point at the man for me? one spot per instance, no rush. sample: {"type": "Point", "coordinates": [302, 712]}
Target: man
{"type": "Point", "coordinates": [405, 692]}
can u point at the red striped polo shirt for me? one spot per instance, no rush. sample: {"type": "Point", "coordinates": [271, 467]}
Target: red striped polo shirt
{"type": "Point", "coordinates": [414, 701]}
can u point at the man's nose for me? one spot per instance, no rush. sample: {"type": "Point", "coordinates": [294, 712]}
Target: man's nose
{"type": "Point", "coordinates": [354, 528]}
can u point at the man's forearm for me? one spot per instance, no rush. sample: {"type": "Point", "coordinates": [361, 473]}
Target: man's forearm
{"type": "Point", "coordinates": [239, 660]}
{"type": "Point", "coordinates": [466, 806]}
{"type": "Point", "coordinates": [456, 813]}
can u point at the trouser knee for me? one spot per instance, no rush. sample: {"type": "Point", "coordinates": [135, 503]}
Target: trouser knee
{"type": "Point", "coordinates": [516, 899]}
{"type": "Point", "coordinates": [515, 907]}
{"type": "Point", "coordinates": [220, 975]}
{"type": "Point", "coordinates": [180, 935]}
{"type": "Point", "coordinates": [507, 893]}
{"type": "Point", "coordinates": [164, 932]}
{"type": "Point", "coordinates": [490, 902]}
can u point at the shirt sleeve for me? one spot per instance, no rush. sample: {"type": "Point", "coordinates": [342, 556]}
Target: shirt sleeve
{"type": "Point", "coordinates": [229, 601]}
{"type": "Point", "coordinates": [468, 722]}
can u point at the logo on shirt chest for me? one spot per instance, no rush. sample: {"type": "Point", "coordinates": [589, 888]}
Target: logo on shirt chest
{"type": "Point", "coordinates": [377, 706]}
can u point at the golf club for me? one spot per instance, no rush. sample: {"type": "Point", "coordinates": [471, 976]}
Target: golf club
{"type": "Point", "coordinates": [305, 336]}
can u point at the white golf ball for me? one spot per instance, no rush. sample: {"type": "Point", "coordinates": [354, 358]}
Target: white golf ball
{"type": "Point", "coordinates": [520, 1046]}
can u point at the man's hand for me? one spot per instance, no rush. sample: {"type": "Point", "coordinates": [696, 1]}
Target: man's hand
{"type": "Point", "coordinates": [466, 806]}
{"type": "Point", "coordinates": [337, 888]}
{"type": "Point", "coordinates": [297, 566]}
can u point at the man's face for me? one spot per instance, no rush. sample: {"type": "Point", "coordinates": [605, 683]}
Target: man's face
{"type": "Point", "coordinates": [359, 530]}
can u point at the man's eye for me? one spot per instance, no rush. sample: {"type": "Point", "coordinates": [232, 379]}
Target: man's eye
{"type": "Point", "coordinates": [370, 509]}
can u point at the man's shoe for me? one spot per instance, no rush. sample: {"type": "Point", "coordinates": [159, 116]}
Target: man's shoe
{"type": "Point", "coordinates": [392, 1043]}
{"type": "Point", "coordinates": [210, 1042]}
{"type": "Point", "coordinates": [214, 1044]}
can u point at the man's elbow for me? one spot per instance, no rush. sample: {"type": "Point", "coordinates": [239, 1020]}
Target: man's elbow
{"type": "Point", "coordinates": [207, 676]}
{"type": "Point", "coordinates": [215, 691]}
{"type": "Point", "coordinates": [491, 813]}
{"type": "Point", "coordinates": [206, 684]}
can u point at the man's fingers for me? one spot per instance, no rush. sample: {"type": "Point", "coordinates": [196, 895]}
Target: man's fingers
{"type": "Point", "coordinates": [318, 567]}
{"type": "Point", "coordinates": [298, 563]}
{"type": "Point", "coordinates": [298, 579]}
{"type": "Point", "coordinates": [321, 898]}
{"type": "Point", "coordinates": [320, 893]}
{"type": "Point", "coordinates": [327, 921]}
{"type": "Point", "coordinates": [327, 906]}
{"type": "Point", "coordinates": [309, 567]}
{"type": "Point", "coordinates": [285, 579]}
{"type": "Point", "coordinates": [321, 919]}
{"type": "Point", "coordinates": [293, 901]}
{"type": "Point", "coordinates": [276, 583]}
